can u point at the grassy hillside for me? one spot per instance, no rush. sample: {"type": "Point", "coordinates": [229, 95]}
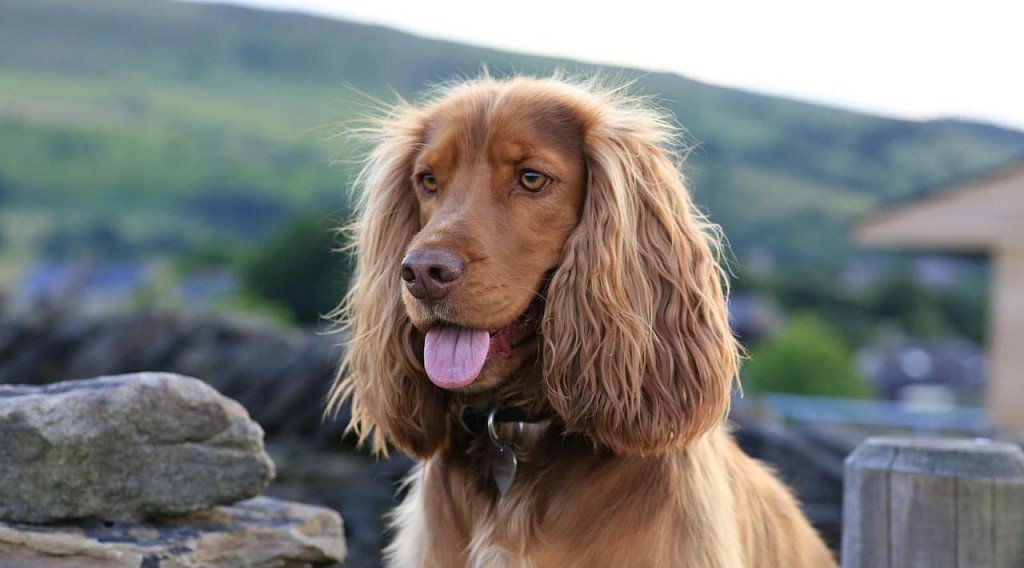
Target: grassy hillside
{"type": "Point", "coordinates": [148, 126]}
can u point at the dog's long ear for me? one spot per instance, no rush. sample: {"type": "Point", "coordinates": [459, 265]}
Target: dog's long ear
{"type": "Point", "coordinates": [638, 355]}
{"type": "Point", "coordinates": [380, 374]}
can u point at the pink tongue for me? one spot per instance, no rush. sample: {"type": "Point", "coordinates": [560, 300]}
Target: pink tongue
{"type": "Point", "coordinates": [454, 355]}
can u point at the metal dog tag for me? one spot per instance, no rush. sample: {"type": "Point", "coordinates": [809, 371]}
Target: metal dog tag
{"type": "Point", "coordinates": [503, 467]}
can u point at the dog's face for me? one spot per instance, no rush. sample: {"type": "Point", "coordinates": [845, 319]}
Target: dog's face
{"type": "Point", "coordinates": [499, 188]}
{"type": "Point", "coordinates": [539, 231]}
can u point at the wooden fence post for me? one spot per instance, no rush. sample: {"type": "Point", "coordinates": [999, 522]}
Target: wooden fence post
{"type": "Point", "coordinates": [933, 503]}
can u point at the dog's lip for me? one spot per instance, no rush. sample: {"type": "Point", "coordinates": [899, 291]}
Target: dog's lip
{"type": "Point", "coordinates": [509, 336]}
{"type": "Point", "coordinates": [518, 331]}
{"type": "Point", "coordinates": [530, 315]}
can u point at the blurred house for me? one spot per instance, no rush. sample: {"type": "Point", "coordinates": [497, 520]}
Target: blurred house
{"type": "Point", "coordinates": [939, 272]}
{"type": "Point", "coordinates": [931, 271]}
{"type": "Point", "coordinates": [101, 288]}
{"type": "Point", "coordinates": [926, 372]}
{"type": "Point", "coordinates": [209, 285]}
{"type": "Point", "coordinates": [753, 317]}
{"type": "Point", "coordinates": [95, 288]}
{"type": "Point", "coordinates": [984, 214]}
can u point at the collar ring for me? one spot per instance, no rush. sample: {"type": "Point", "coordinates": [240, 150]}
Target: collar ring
{"type": "Point", "coordinates": [492, 430]}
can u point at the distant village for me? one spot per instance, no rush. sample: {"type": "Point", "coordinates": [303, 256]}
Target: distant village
{"type": "Point", "coordinates": [932, 372]}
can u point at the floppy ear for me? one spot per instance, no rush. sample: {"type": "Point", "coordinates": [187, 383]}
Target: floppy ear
{"type": "Point", "coordinates": [638, 355]}
{"type": "Point", "coordinates": [380, 373]}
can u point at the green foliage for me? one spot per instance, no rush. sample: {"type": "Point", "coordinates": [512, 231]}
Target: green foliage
{"type": "Point", "coordinates": [805, 357]}
{"type": "Point", "coordinates": [299, 270]}
{"type": "Point", "coordinates": [921, 312]}
{"type": "Point", "coordinates": [252, 304]}
{"type": "Point", "coordinates": [895, 301]}
{"type": "Point", "coordinates": [145, 129]}
{"type": "Point", "coordinates": [221, 117]}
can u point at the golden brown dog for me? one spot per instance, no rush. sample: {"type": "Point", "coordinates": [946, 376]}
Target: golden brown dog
{"type": "Point", "coordinates": [527, 252]}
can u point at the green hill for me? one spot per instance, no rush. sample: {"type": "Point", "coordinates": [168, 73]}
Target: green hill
{"type": "Point", "coordinates": [150, 126]}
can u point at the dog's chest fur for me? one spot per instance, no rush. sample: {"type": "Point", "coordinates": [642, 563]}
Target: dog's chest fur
{"type": "Point", "coordinates": [568, 507]}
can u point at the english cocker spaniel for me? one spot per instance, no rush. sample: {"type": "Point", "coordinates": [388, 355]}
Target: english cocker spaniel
{"type": "Point", "coordinates": [538, 316]}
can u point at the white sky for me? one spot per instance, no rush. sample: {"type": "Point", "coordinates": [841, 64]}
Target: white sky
{"type": "Point", "coordinates": [897, 57]}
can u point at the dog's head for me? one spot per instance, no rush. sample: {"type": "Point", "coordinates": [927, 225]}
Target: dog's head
{"type": "Point", "coordinates": [533, 229]}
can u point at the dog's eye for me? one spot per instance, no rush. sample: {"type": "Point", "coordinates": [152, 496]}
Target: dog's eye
{"type": "Point", "coordinates": [429, 182]}
{"type": "Point", "coordinates": [532, 180]}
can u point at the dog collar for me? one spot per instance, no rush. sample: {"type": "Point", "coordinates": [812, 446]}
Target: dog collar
{"type": "Point", "coordinates": [503, 459]}
{"type": "Point", "coordinates": [476, 418]}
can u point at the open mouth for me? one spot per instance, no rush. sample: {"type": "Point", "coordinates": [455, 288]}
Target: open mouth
{"type": "Point", "coordinates": [454, 355]}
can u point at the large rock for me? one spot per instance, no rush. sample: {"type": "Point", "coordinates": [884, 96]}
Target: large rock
{"type": "Point", "coordinates": [125, 447]}
{"type": "Point", "coordinates": [258, 532]}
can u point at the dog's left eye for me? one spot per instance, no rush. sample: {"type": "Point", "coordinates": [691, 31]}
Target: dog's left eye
{"type": "Point", "coordinates": [532, 180]}
{"type": "Point", "coordinates": [429, 182]}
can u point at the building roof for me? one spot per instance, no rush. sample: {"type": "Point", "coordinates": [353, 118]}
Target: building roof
{"type": "Point", "coordinates": [981, 213]}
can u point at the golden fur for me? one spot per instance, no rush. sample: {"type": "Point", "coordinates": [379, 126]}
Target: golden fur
{"type": "Point", "coordinates": [634, 359]}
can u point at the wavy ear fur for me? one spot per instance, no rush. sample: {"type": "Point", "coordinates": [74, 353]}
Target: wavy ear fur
{"type": "Point", "coordinates": [380, 373]}
{"type": "Point", "coordinates": [639, 356]}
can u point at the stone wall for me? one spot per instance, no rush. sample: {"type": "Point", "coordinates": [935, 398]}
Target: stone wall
{"type": "Point", "coordinates": [147, 469]}
{"type": "Point", "coordinates": [281, 376]}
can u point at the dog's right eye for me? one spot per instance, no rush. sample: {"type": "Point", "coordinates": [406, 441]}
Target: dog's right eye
{"type": "Point", "coordinates": [429, 182]}
{"type": "Point", "coordinates": [533, 181]}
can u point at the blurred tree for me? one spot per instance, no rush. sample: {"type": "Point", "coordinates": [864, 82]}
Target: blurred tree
{"type": "Point", "coordinates": [236, 209]}
{"type": "Point", "coordinates": [923, 312]}
{"type": "Point", "coordinates": [300, 270]}
{"type": "Point", "coordinates": [805, 357]}
{"type": "Point", "coordinates": [819, 293]}
{"type": "Point", "coordinates": [896, 301]}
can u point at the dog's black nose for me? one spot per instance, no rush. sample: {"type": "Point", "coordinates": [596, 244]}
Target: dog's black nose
{"type": "Point", "coordinates": [430, 273]}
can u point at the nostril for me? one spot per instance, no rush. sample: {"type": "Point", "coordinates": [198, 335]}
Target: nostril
{"type": "Point", "coordinates": [408, 274]}
{"type": "Point", "coordinates": [440, 274]}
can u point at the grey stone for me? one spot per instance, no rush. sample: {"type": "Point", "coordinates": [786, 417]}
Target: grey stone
{"type": "Point", "coordinates": [260, 532]}
{"type": "Point", "coordinates": [125, 447]}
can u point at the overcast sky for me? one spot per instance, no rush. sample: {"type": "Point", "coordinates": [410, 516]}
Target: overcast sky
{"type": "Point", "coordinates": [897, 57]}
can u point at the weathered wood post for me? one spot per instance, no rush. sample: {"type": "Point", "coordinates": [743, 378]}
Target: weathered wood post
{"type": "Point", "coordinates": [933, 503]}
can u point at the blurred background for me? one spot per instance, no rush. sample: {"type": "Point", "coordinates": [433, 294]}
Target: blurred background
{"type": "Point", "coordinates": [171, 174]}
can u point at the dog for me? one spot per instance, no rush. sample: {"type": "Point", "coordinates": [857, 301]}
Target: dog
{"type": "Point", "coordinates": [538, 316]}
